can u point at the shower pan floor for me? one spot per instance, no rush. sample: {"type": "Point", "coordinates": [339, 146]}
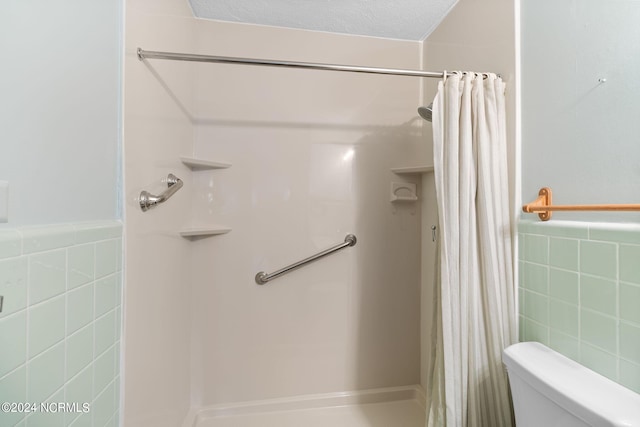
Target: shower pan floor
{"type": "Point", "coordinates": [409, 412]}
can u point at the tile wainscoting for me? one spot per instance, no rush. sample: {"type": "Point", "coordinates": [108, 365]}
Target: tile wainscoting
{"type": "Point", "coordinates": [579, 291]}
{"type": "Point", "coordinates": [60, 322]}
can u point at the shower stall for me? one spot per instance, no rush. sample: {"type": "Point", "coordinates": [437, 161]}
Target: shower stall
{"type": "Point", "coordinates": [277, 164]}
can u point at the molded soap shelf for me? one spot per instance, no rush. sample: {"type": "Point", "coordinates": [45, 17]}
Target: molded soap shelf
{"type": "Point", "coordinates": [203, 231]}
{"type": "Point", "coordinates": [412, 170]}
{"type": "Point", "coordinates": [201, 164]}
{"type": "Point", "coordinates": [403, 192]}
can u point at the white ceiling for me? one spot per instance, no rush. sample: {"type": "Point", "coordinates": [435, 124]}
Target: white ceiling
{"type": "Point", "coordinates": [395, 19]}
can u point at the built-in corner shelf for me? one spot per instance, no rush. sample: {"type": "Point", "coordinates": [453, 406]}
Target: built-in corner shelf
{"type": "Point", "coordinates": [196, 164]}
{"type": "Point", "coordinates": [412, 170]}
{"type": "Point", "coordinates": [203, 231]}
{"type": "Point", "coordinates": [201, 164]}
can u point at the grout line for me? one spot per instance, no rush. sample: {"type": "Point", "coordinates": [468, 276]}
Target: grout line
{"type": "Point", "coordinates": [599, 313]}
{"type": "Point", "coordinates": [111, 382]}
{"type": "Point", "coordinates": [617, 311]}
{"type": "Point", "coordinates": [580, 298]}
{"type": "Point", "coordinates": [548, 302]}
{"type": "Point", "coordinates": [48, 398]}
{"type": "Point", "coordinates": [542, 234]}
{"type": "Point", "coordinates": [551, 298]}
{"type": "Point", "coordinates": [631, 362]}
{"type": "Point", "coordinates": [15, 313]}
{"type": "Point", "coordinates": [11, 372]}
{"type": "Point", "coordinates": [112, 419]}
{"type": "Point", "coordinates": [105, 314]}
{"type": "Point", "coordinates": [112, 346]}
{"type": "Point", "coordinates": [28, 316]}
{"type": "Point", "coordinates": [35, 356]}
{"type": "Point", "coordinates": [80, 372]}
{"type": "Point", "coordinates": [593, 276]}
{"type": "Point", "coordinates": [84, 285]}
{"type": "Point", "coordinates": [630, 323]}
{"type": "Point", "coordinates": [590, 344]}
{"type": "Point", "coordinates": [61, 294]}
{"type": "Point", "coordinates": [80, 329]}
{"type": "Point", "coordinates": [93, 343]}
{"type": "Point", "coordinates": [21, 240]}
{"type": "Point", "coordinates": [623, 282]}
{"type": "Point", "coordinates": [566, 270]}
{"type": "Point", "coordinates": [71, 420]}
{"type": "Point", "coordinates": [534, 263]}
{"type": "Point", "coordinates": [66, 334]}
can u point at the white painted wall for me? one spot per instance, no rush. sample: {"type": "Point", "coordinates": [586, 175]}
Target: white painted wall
{"type": "Point", "coordinates": [475, 36]}
{"type": "Point", "coordinates": [59, 110]}
{"type": "Point", "coordinates": [579, 136]}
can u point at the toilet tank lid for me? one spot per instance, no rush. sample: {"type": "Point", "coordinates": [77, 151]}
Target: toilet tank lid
{"type": "Point", "coordinates": [588, 395]}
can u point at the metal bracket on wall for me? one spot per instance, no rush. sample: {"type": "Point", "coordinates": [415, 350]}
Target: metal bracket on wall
{"type": "Point", "coordinates": [543, 201]}
{"type": "Point", "coordinates": [1, 301]}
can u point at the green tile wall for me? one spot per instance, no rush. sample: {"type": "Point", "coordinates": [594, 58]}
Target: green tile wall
{"type": "Point", "coordinates": [579, 290]}
{"type": "Point", "coordinates": [60, 321]}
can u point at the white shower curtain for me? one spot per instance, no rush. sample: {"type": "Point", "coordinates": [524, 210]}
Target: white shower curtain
{"type": "Point", "coordinates": [475, 306]}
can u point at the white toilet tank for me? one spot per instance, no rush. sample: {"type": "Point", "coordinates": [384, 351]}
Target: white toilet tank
{"type": "Point", "coordinates": [550, 390]}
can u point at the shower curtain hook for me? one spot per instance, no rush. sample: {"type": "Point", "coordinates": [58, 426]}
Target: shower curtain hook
{"type": "Point", "coordinates": [444, 76]}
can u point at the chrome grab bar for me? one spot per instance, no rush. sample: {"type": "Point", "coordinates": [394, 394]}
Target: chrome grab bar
{"type": "Point", "coordinates": [262, 277]}
{"type": "Point", "coordinates": [148, 200]}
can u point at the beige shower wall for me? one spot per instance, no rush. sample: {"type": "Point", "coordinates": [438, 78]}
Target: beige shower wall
{"type": "Point", "coordinates": [311, 154]}
{"type": "Point", "coordinates": [157, 291]}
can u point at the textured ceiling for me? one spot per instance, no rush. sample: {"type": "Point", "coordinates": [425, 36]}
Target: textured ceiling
{"type": "Point", "coordinates": [395, 19]}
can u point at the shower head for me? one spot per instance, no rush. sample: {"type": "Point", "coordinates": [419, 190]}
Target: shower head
{"type": "Point", "coordinates": [426, 112]}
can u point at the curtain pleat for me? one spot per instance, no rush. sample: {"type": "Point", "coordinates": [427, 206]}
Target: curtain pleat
{"type": "Point", "coordinates": [475, 297]}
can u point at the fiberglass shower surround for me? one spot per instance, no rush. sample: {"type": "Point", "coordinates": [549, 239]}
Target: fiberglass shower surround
{"type": "Point", "coordinates": [278, 142]}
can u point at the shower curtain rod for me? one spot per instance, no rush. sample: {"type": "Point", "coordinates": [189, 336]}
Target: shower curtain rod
{"type": "Point", "coordinates": [148, 54]}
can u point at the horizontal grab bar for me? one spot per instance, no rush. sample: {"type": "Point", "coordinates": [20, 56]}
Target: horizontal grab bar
{"type": "Point", "coordinates": [148, 200]}
{"type": "Point", "coordinates": [262, 277]}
